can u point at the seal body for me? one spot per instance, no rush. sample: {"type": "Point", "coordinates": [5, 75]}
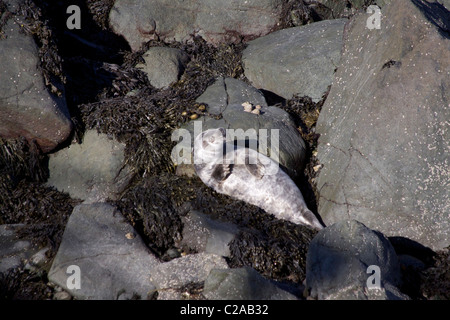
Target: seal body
{"type": "Point", "coordinates": [247, 175]}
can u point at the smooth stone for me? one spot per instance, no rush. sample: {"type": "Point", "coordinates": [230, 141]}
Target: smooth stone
{"type": "Point", "coordinates": [193, 268]}
{"type": "Point", "coordinates": [242, 284]}
{"type": "Point", "coordinates": [112, 265]}
{"type": "Point", "coordinates": [92, 171]}
{"type": "Point", "coordinates": [203, 234]}
{"type": "Point", "coordinates": [338, 259]}
{"type": "Point", "coordinates": [163, 66]}
{"type": "Point", "coordinates": [296, 61]}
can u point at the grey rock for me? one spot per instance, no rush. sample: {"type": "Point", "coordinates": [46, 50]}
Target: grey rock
{"type": "Point", "coordinates": [340, 9]}
{"type": "Point", "coordinates": [338, 259]}
{"type": "Point", "coordinates": [163, 66]}
{"type": "Point", "coordinates": [27, 108]}
{"type": "Point", "coordinates": [14, 251]}
{"type": "Point", "coordinates": [193, 268]}
{"type": "Point", "coordinates": [291, 149]}
{"type": "Point", "coordinates": [62, 295]}
{"type": "Point", "coordinates": [112, 264]}
{"type": "Point", "coordinates": [227, 91]}
{"type": "Point", "coordinates": [92, 171]}
{"type": "Point", "coordinates": [203, 234]}
{"type": "Point", "coordinates": [242, 284]}
{"type": "Point", "coordinates": [215, 21]}
{"type": "Point", "coordinates": [37, 260]}
{"type": "Point", "coordinates": [382, 134]}
{"type": "Point", "coordinates": [300, 60]}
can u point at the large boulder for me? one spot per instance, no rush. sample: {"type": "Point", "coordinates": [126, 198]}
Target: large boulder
{"type": "Point", "coordinates": [215, 21]}
{"type": "Point", "coordinates": [384, 135]}
{"type": "Point", "coordinates": [300, 60]}
{"type": "Point", "coordinates": [338, 261]}
{"type": "Point", "coordinates": [92, 171]}
{"type": "Point", "coordinates": [112, 260]}
{"type": "Point", "coordinates": [27, 108]}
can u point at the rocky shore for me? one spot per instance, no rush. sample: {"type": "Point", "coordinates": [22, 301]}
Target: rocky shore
{"type": "Point", "coordinates": [99, 198]}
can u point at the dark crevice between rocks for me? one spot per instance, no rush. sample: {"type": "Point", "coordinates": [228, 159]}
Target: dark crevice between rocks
{"type": "Point", "coordinates": [305, 114]}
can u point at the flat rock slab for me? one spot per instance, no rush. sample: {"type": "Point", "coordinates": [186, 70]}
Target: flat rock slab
{"type": "Point", "coordinates": [193, 268]}
{"type": "Point", "coordinates": [300, 60]}
{"type": "Point", "coordinates": [27, 108]}
{"type": "Point", "coordinates": [242, 284]}
{"type": "Point", "coordinates": [92, 171]}
{"type": "Point", "coordinates": [384, 135]}
{"type": "Point", "coordinates": [215, 21]}
{"type": "Point", "coordinates": [113, 261]}
{"type": "Point", "coordinates": [338, 259]}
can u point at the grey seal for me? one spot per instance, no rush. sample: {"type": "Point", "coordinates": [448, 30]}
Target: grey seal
{"type": "Point", "coordinates": [250, 176]}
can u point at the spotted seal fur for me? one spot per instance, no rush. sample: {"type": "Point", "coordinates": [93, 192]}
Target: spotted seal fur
{"type": "Point", "coordinates": [247, 175]}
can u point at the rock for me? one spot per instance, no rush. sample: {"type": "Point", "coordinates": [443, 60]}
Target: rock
{"type": "Point", "coordinates": [215, 21]}
{"type": "Point", "coordinates": [13, 251]}
{"type": "Point", "coordinates": [37, 260]}
{"type": "Point", "coordinates": [163, 66]}
{"type": "Point", "coordinates": [344, 9]}
{"type": "Point", "coordinates": [227, 91]}
{"type": "Point", "coordinates": [203, 234]}
{"type": "Point", "coordinates": [62, 295]}
{"type": "Point", "coordinates": [111, 265]}
{"type": "Point", "coordinates": [193, 268]}
{"type": "Point", "coordinates": [27, 108]}
{"type": "Point", "coordinates": [92, 171]}
{"type": "Point", "coordinates": [300, 60]}
{"type": "Point", "coordinates": [338, 259]}
{"type": "Point", "coordinates": [225, 98]}
{"type": "Point", "coordinates": [382, 128]}
{"type": "Point", "coordinates": [242, 284]}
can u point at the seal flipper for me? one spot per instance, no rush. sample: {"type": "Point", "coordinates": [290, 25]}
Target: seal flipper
{"type": "Point", "coordinates": [256, 168]}
{"type": "Point", "coordinates": [221, 172]}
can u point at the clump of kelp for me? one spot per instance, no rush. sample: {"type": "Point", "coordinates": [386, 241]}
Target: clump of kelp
{"type": "Point", "coordinates": [25, 199]}
{"type": "Point", "coordinates": [144, 118]}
